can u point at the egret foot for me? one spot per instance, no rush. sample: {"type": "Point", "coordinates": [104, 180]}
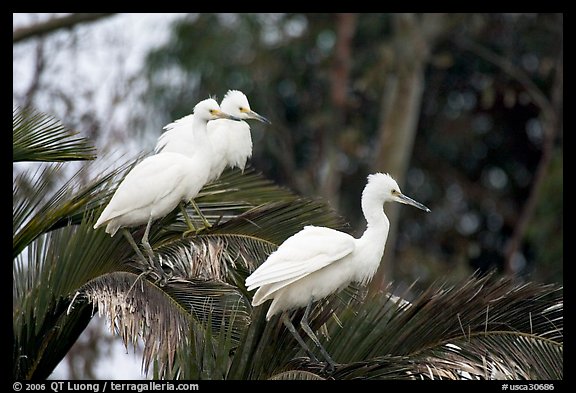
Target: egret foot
{"type": "Point", "coordinates": [329, 368]}
{"type": "Point", "coordinates": [192, 231]}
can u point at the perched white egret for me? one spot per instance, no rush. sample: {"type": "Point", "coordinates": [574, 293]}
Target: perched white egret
{"type": "Point", "coordinates": [230, 139]}
{"type": "Point", "coordinates": [318, 261]}
{"type": "Point", "coordinates": [155, 186]}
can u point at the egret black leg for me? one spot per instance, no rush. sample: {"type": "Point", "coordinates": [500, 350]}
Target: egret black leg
{"type": "Point", "coordinates": [153, 262]}
{"type": "Point", "coordinates": [145, 242]}
{"type": "Point", "coordinates": [292, 330]}
{"type": "Point", "coordinates": [148, 263]}
{"type": "Point", "coordinates": [310, 333]}
{"type": "Point", "coordinates": [130, 239]}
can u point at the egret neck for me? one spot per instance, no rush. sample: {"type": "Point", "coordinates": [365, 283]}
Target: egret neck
{"type": "Point", "coordinates": [203, 145]}
{"type": "Point", "coordinates": [374, 237]}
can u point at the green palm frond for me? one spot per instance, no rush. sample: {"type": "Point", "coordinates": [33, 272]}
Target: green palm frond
{"type": "Point", "coordinates": [248, 186]}
{"type": "Point", "coordinates": [384, 338]}
{"type": "Point", "coordinates": [494, 356]}
{"type": "Point", "coordinates": [494, 322]}
{"type": "Point", "coordinates": [268, 348]}
{"type": "Point", "coordinates": [237, 192]}
{"type": "Point", "coordinates": [39, 212]}
{"type": "Point", "coordinates": [39, 348]}
{"type": "Point", "coordinates": [206, 353]}
{"type": "Point", "coordinates": [216, 301]}
{"type": "Point", "coordinates": [293, 375]}
{"type": "Point", "coordinates": [207, 282]}
{"type": "Point", "coordinates": [40, 137]}
{"type": "Point", "coordinates": [232, 249]}
{"type": "Point", "coordinates": [68, 264]}
{"type": "Point", "coordinates": [264, 349]}
{"type": "Point", "coordinates": [45, 277]}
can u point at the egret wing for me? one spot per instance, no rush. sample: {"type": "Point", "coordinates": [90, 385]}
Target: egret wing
{"type": "Point", "coordinates": [311, 249]}
{"type": "Point", "coordinates": [177, 132]}
{"type": "Point", "coordinates": [146, 184]}
{"type": "Point", "coordinates": [163, 141]}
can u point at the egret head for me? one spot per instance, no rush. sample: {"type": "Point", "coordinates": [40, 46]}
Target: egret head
{"type": "Point", "coordinates": [385, 186]}
{"type": "Point", "coordinates": [236, 103]}
{"type": "Point", "coordinates": [209, 109]}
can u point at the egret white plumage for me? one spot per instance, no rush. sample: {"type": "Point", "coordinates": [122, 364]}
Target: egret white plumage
{"type": "Point", "coordinates": [319, 261]}
{"type": "Point", "coordinates": [178, 137]}
{"type": "Point", "coordinates": [231, 140]}
{"type": "Point", "coordinates": [155, 186]}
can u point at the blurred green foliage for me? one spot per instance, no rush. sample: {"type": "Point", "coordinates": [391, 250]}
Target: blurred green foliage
{"type": "Point", "coordinates": [480, 134]}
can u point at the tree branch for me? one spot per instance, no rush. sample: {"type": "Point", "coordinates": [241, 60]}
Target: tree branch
{"type": "Point", "coordinates": [340, 70]}
{"type": "Point", "coordinates": [516, 73]}
{"type": "Point", "coordinates": [54, 24]}
{"type": "Point", "coordinates": [549, 116]}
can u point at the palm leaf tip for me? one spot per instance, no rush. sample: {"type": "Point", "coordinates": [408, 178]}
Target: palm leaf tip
{"type": "Point", "coordinates": [136, 308]}
{"type": "Point", "coordinates": [40, 137]}
{"type": "Point", "coordinates": [164, 316]}
{"type": "Point", "coordinates": [484, 328]}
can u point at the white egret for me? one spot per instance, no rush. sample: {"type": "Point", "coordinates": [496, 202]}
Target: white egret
{"type": "Point", "coordinates": [318, 261]}
{"type": "Point", "coordinates": [155, 186]}
{"type": "Point", "coordinates": [230, 139]}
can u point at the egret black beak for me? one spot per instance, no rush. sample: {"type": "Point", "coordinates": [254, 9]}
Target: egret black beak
{"type": "Point", "coordinates": [253, 115]}
{"type": "Point", "coordinates": [222, 115]}
{"type": "Point", "coordinates": [409, 201]}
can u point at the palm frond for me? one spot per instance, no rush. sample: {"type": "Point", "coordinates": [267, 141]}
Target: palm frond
{"type": "Point", "coordinates": [299, 375]}
{"type": "Point", "coordinates": [237, 192]}
{"type": "Point", "coordinates": [383, 367]}
{"type": "Point", "coordinates": [39, 348]}
{"type": "Point", "coordinates": [39, 212]}
{"type": "Point", "coordinates": [206, 355]}
{"type": "Point", "coordinates": [444, 334]}
{"type": "Point", "coordinates": [264, 350]}
{"type": "Point", "coordinates": [496, 355]}
{"type": "Point", "coordinates": [248, 186]}
{"type": "Point", "coordinates": [164, 316]}
{"type": "Point", "coordinates": [45, 276]}
{"type": "Point", "coordinates": [242, 243]}
{"type": "Point", "coordinates": [40, 137]}
{"type": "Point", "coordinates": [216, 301]}
{"type": "Point", "coordinates": [495, 323]}
{"type": "Point", "coordinates": [492, 356]}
